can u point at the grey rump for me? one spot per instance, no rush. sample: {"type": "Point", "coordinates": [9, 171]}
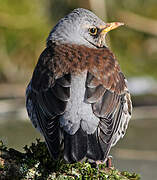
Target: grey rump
{"type": "Point", "coordinates": [81, 108]}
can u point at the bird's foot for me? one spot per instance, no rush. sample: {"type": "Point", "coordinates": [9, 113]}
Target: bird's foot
{"type": "Point", "coordinates": [99, 163]}
{"type": "Point", "coordinates": [109, 162]}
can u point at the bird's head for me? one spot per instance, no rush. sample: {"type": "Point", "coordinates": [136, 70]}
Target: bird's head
{"type": "Point", "coordinates": [82, 27]}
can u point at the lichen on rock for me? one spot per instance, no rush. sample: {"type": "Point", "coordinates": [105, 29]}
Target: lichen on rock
{"type": "Point", "coordinates": [35, 163]}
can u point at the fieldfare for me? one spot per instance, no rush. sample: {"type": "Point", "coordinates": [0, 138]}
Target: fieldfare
{"type": "Point", "coordinates": [78, 97]}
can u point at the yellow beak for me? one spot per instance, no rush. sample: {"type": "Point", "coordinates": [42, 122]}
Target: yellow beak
{"type": "Point", "coordinates": [110, 26]}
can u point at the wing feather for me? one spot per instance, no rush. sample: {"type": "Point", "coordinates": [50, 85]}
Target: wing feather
{"type": "Point", "coordinates": [107, 95]}
{"type": "Point", "coordinates": [49, 98]}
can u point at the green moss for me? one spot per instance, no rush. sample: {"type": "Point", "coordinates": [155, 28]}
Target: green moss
{"type": "Point", "coordinates": [36, 163]}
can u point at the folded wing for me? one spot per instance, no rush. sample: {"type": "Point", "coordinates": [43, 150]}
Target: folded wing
{"type": "Point", "coordinates": [110, 100]}
{"type": "Point", "coordinates": [46, 100]}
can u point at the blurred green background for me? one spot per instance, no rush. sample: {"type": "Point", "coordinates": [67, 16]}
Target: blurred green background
{"type": "Point", "coordinates": [24, 27]}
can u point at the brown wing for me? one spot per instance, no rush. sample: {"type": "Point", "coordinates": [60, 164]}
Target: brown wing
{"type": "Point", "coordinates": [48, 97]}
{"type": "Point", "coordinates": [110, 100]}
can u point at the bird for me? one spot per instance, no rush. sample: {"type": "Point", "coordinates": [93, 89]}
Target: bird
{"type": "Point", "coordinates": [77, 97]}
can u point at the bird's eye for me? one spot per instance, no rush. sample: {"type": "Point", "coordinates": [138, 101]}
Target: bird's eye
{"type": "Point", "coordinates": [93, 30]}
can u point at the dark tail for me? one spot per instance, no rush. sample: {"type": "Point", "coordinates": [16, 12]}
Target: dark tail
{"type": "Point", "coordinates": [81, 145]}
{"type": "Point", "coordinates": [75, 146]}
{"type": "Point", "coordinates": [94, 149]}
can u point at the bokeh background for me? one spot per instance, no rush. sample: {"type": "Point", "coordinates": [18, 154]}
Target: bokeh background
{"type": "Point", "coordinates": [24, 27]}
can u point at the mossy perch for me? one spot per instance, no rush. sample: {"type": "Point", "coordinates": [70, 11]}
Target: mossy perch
{"type": "Point", "coordinates": [35, 163]}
